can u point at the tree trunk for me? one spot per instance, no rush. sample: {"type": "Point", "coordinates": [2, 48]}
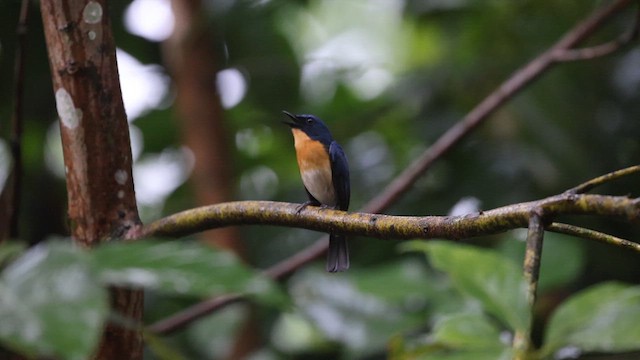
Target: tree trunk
{"type": "Point", "coordinates": [191, 59]}
{"type": "Point", "coordinates": [95, 140]}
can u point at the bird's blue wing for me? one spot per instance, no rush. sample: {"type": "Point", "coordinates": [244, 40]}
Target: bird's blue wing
{"type": "Point", "coordinates": [340, 175]}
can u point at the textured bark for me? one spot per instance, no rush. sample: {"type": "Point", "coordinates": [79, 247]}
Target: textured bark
{"type": "Point", "coordinates": [191, 59]}
{"type": "Point", "coordinates": [95, 140]}
{"type": "Point", "coordinates": [381, 226]}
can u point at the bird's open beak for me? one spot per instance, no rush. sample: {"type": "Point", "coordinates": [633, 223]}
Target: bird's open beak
{"type": "Point", "coordinates": [294, 123]}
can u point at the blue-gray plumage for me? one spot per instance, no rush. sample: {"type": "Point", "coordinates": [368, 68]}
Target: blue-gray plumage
{"type": "Point", "coordinates": [325, 175]}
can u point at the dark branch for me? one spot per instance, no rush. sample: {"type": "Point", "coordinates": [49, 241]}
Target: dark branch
{"type": "Point", "coordinates": [602, 49]}
{"type": "Point", "coordinates": [14, 184]}
{"type": "Point", "coordinates": [183, 318]}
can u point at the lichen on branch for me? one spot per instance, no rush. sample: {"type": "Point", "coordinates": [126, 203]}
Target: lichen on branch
{"type": "Point", "coordinates": [388, 226]}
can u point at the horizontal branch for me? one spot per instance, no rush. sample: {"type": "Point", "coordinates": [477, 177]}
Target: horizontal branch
{"type": "Point", "coordinates": [388, 226]}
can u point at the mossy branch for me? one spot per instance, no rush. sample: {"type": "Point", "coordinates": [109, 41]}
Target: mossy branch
{"type": "Point", "coordinates": [388, 226]}
{"type": "Point", "coordinates": [522, 340]}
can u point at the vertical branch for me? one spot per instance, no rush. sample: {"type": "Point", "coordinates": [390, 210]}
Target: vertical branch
{"type": "Point", "coordinates": [95, 141]}
{"type": "Point", "coordinates": [17, 119]}
{"type": "Point", "coordinates": [10, 198]}
{"type": "Point", "coordinates": [535, 236]}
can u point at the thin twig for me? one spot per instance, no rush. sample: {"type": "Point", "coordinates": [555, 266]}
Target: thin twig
{"type": "Point", "coordinates": [403, 182]}
{"type": "Point", "coordinates": [602, 49]}
{"type": "Point", "coordinates": [182, 318]}
{"type": "Point", "coordinates": [592, 52]}
{"type": "Point", "coordinates": [586, 186]}
{"type": "Point", "coordinates": [593, 235]}
{"type": "Point", "coordinates": [15, 185]}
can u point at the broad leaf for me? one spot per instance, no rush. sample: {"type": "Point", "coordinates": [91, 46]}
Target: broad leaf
{"type": "Point", "coordinates": [362, 317]}
{"type": "Point", "coordinates": [51, 304]}
{"type": "Point", "coordinates": [491, 354]}
{"type": "Point", "coordinates": [563, 259]}
{"type": "Point", "coordinates": [399, 281]}
{"type": "Point", "coordinates": [603, 318]}
{"type": "Point", "coordinates": [183, 267]}
{"type": "Point", "coordinates": [453, 340]}
{"type": "Point", "coordinates": [468, 331]}
{"type": "Point", "coordinates": [493, 280]}
{"type": "Point", "coordinates": [294, 334]}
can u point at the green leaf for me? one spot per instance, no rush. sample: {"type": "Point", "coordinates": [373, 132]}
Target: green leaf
{"type": "Point", "coordinates": [437, 349]}
{"type": "Point", "coordinates": [493, 280]}
{"type": "Point", "coordinates": [467, 331]}
{"type": "Point", "coordinates": [399, 282]}
{"type": "Point", "coordinates": [182, 267]}
{"type": "Point", "coordinates": [293, 333]}
{"type": "Point", "coordinates": [51, 303]}
{"type": "Point", "coordinates": [491, 354]}
{"type": "Point", "coordinates": [362, 319]}
{"type": "Point", "coordinates": [602, 318]}
{"type": "Point", "coordinates": [563, 259]}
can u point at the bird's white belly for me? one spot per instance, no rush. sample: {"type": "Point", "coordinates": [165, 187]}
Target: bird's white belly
{"type": "Point", "coordinates": [319, 183]}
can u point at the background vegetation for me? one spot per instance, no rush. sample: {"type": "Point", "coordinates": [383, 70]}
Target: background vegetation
{"type": "Point", "coordinates": [388, 77]}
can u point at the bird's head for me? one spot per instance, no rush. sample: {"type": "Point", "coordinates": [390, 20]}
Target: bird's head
{"type": "Point", "coordinates": [311, 125]}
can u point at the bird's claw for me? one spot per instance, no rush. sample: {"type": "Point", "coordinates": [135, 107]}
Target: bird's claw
{"type": "Point", "coordinates": [307, 203]}
{"type": "Point", "coordinates": [302, 206]}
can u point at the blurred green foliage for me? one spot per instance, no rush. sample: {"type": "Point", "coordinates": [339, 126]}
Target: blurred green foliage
{"type": "Point", "coordinates": [389, 77]}
{"type": "Point", "coordinates": [55, 300]}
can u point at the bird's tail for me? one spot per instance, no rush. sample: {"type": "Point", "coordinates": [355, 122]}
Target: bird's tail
{"type": "Point", "coordinates": [338, 255]}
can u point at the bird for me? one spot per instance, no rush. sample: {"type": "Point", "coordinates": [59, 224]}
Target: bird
{"type": "Point", "coordinates": [325, 174]}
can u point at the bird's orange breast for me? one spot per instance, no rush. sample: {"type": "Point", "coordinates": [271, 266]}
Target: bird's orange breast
{"type": "Point", "coordinates": [311, 154]}
{"type": "Point", "coordinates": [315, 167]}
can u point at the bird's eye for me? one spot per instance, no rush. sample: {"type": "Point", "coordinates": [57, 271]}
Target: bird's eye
{"type": "Point", "coordinates": [309, 121]}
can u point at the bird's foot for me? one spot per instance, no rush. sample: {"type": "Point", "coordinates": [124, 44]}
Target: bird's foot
{"type": "Point", "coordinates": [304, 205]}
{"type": "Point", "coordinates": [311, 203]}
